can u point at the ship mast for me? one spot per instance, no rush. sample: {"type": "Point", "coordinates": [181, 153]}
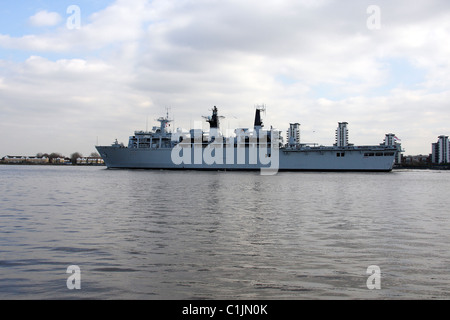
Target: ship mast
{"type": "Point", "coordinates": [165, 122]}
{"type": "Point", "coordinates": [213, 120]}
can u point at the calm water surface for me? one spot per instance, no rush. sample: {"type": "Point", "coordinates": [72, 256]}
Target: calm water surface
{"type": "Point", "coordinates": [138, 234]}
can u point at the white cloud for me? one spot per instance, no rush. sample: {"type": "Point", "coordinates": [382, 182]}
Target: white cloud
{"type": "Point", "coordinates": [45, 19]}
{"type": "Point", "coordinates": [309, 61]}
{"type": "Point", "coordinates": [119, 23]}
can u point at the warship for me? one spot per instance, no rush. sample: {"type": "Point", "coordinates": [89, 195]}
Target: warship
{"type": "Point", "coordinates": [245, 149]}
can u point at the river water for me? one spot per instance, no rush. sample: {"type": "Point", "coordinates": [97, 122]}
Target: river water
{"type": "Point", "coordinates": [143, 234]}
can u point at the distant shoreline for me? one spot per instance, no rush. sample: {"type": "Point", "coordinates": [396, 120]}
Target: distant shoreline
{"type": "Point", "coordinates": [397, 167]}
{"type": "Point", "coordinates": [424, 167]}
{"type": "Point", "coordinates": [54, 164]}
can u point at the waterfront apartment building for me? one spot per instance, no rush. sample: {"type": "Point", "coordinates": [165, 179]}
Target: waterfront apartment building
{"type": "Point", "coordinates": [91, 160]}
{"type": "Point", "coordinates": [342, 135]}
{"type": "Point", "coordinates": [293, 134]}
{"type": "Point", "coordinates": [440, 150]}
{"type": "Point", "coordinates": [390, 139]}
{"type": "Point", "coordinates": [25, 159]}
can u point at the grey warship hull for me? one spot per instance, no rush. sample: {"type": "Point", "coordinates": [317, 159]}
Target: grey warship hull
{"type": "Point", "coordinates": [254, 149]}
{"type": "Point", "coordinates": [324, 159]}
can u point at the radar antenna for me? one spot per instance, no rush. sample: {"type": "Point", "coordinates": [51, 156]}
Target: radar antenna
{"type": "Point", "coordinates": [213, 120]}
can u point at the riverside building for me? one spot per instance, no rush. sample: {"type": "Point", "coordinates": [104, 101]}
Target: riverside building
{"type": "Point", "coordinates": [440, 150]}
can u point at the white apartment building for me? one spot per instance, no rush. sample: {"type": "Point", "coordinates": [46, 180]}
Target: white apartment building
{"type": "Point", "coordinates": [342, 135]}
{"type": "Point", "coordinates": [440, 150]}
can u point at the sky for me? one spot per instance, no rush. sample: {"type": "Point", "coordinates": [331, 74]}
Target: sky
{"type": "Point", "coordinates": [74, 74]}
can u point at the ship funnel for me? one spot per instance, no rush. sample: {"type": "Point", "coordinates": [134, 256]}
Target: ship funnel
{"type": "Point", "coordinates": [258, 121]}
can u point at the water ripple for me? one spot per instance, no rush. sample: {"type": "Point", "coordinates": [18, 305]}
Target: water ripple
{"type": "Point", "coordinates": [222, 235]}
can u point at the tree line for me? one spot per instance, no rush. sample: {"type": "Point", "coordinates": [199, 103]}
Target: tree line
{"type": "Point", "coordinates": [55, 155]}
